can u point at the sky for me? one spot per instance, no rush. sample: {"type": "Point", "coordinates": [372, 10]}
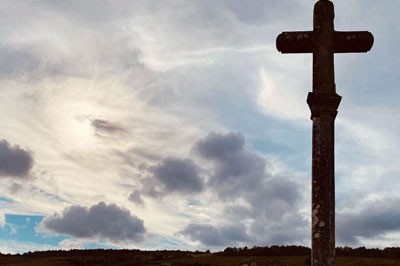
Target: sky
{"type": "Point", "coordinates": [178, 125]}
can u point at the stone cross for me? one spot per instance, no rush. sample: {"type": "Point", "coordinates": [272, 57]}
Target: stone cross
{"type": "Point", "coordinates": [323, 101]}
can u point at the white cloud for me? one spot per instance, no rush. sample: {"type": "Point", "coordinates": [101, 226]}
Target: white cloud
{"type": "Point", "coordinates": [2, 219]}
{"type": "Point", "coordinates": [68, 244]}
{"type": "Point", "coordinates": [15, 246]}
{"type": "Point", "coordinates": [280, 98]}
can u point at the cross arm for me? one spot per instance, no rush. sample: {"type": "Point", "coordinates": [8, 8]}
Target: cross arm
{"type": "Point", "coordinates": [353, 41]}
{"type": "Point", "coordinates": [295, 42]}
{"type": "Point", "coordinates": [344, 42]}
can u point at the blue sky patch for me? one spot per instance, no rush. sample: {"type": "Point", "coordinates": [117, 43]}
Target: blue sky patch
{"type": "Point", "coordinates": [22, 228]}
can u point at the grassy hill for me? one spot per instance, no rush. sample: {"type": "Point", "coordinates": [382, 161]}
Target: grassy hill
{"type": "Point", "coordinates": [170, 258]}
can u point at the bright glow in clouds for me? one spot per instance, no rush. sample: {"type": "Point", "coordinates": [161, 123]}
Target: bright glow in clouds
{"type": "Point", "coordinates": [70, 109]}
{"type": "Point", "coordinates": [280, 102]}
{"type": "Point", "coordinates": [108, 104]}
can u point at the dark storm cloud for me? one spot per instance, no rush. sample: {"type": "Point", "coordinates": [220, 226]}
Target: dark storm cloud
{"type": "Point", "coordinates": [206, 234]}
{"type": "Point", "coordinates": [14, 161]}
{"type": "Point", "coordinates": [275, 198]}
{"type": "Point", "coordinates": [236, 170]}
{"type": "Point", "coordinates": [272, 202]}
{"type": "Point", "coordinates": [178, 175]}
{"type": "Point", "coordinates": [218, 146]}
{"type": "Point", "coordinates": [169, 176]}
{"type": "Point", "coordinates": [288, 228]}
{"type": "Point", "coordinates": [234, 233]}
{"type": "Point", "coordinates": [375, 219]}
{"type": "Point", "coordinates": [209, 235]}
{"type": "Point", "coordinates": [99, 221]}
{"type": "Point", "coordinates": [104, 127]}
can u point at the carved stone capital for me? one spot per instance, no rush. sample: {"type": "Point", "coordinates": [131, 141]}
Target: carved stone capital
{"type": "Point", "coordinates": [323, 103]}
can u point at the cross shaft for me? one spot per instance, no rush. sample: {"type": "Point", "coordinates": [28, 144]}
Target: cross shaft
{"type": "Point", "coordinates": [323, 101]}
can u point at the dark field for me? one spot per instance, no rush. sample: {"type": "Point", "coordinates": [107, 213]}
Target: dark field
{"type": "Point", "coordinates": [209, 260]}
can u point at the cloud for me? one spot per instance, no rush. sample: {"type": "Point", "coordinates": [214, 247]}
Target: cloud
{"type": "Point", "coordinates": [10, 246]}
{"type": "Point", "coordinates": [290, 226]}
{"type": "Point", "coordinates": [281, 97]}
{"type": "Point", "coordinates": [136, 197]}
{"type": "Point", "coordinates": [206, 234]}
{"type": "Point", "coordinates": [15, 187]}
{"type": "Point", "coordinates": [107, 128]}
{"type": "Point", "coordinates": [236, 170]}
{"type": "Point", "coordinates": [178, 175]}
{"type": "Point", "coordinates": [99, 221]}
{"type": "Point", "coordinates": [2, 219]}
{"type": "Point", "coordinates": [68, 244]}
{"type": "Point", "coordinates": [254, 12]}
{"type": "Point", "coordinates": [19, 62]}
{"type": "Point", "coordinates": [209, 235]}
{"type": "Point", "coordinates": [218, 146]}
{"type": "Point", "coordinates": [374, 219]}
{"type": "Point", "coordinates": [170, 175]}
{"type": "Point", "coordinates": [242, 180]}
{"type": "Point", "coordinates": [14, 161]}
{"type": "Point", "coordinates": [235, 232]}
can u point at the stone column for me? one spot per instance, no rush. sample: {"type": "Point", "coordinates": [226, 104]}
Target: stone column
{"type": "Point", "coordinates": [323, 102]}
{"type": "Point", "coordinates": [323, 108]}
